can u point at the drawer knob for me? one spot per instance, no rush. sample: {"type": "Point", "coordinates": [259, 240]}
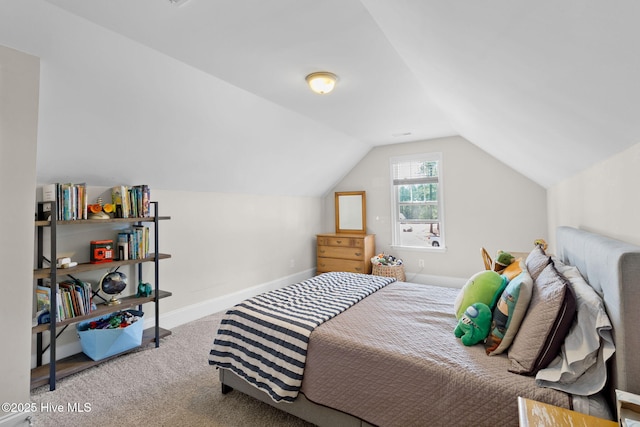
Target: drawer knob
{"type": "Point", "coordinates": [338, 241]}
{"type": "Point", "coordinates": [322, 251]}
{"type": "Point", "coordinates": [358, 268]}
{"type": "Point", "coordinates": [358, 253]}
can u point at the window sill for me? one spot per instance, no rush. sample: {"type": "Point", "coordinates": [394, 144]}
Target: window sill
{"type": "Point", "coordinates": [436, 249]}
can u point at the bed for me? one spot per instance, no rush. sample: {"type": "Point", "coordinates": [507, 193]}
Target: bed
{"type": "Point", "coordinates": [390, 357]}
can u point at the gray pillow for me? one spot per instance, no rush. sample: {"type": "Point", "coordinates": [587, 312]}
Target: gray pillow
{"type": "Point", "coordinates": [546, 324]}
{"type": "Point", "coordinates": [536, 261]}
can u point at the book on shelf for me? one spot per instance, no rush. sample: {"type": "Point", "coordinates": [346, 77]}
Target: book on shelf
{"type": "Point", "coordinates": [43, 296]}
{"type": "Point", "coordinates": [73, 298]}
{"type": "Point", "coordinates": [71, 198]}
{"type": "Point", "coordinates": [119, 199]}
{"type": "Point", "coordinates": [42, 299]}
{"type": "Point", "coordinates": [131, 201]}
{"type": "Point", "coordinates": [140, 196]}
{"type": "Point", "coordinates": [136, 240]}
{"type": "Point", "coordinates": [49, 192]}
{"type": "Point", "coordinates": [146, 201]}
{"type": "Point", "coordinates": [141, 238]}
{"type": "Point", "coordinates": [123, 245]}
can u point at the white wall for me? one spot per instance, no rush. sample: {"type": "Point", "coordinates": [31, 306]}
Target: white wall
{"type": "Point", "coordinates": [19, 75]}
{"type": "Point", "coordinates": [224, 243]}
{"type": "Point", "coordinates": [603, 198]}
{"type": "Point", "coordinates": [486, 203]}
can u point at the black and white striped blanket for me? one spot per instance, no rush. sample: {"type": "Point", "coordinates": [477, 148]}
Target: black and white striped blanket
{"type": "Point", "coordinates": [264, 339]}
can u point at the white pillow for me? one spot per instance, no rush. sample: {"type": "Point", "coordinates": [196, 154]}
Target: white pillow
{"type": "Point", "coordinates": [580, 368]}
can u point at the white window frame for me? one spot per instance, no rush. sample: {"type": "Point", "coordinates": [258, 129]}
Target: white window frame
{"type": "Point", "coordinates": [395, 220]}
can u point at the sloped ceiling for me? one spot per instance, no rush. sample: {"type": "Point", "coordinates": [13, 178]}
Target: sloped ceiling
{"type": "Point", "coordinates": [549, 87]}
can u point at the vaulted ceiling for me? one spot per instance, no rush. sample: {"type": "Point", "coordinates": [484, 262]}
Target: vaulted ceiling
{"type": "Point", "coordinates": [549, 87]}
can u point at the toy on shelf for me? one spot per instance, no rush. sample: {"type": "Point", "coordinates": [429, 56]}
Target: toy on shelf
{"type": "Point", "coordinates": [100, 210]}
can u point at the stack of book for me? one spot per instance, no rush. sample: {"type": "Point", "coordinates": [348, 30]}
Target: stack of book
{"type": "Point", "coordinates": [131, 202]}
{"type": "Point", "coordinates": [136, 242]}
{"type": "Point", "coordinates": [73, 299]}
{"type": "Point", "coordinates": [72, 200]}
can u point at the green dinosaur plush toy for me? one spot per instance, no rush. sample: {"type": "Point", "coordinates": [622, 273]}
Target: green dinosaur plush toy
{"type": "Point", "coordinates": [503, 260]}
{"type": "Point", "coordinates": [474, 325]}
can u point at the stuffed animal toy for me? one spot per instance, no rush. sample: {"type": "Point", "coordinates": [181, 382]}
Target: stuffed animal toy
{"type": "Point", "coordinates": [541, 243]}
{"type": "Point", "coordinates": [474, 325]}
{"type": "Point", "coordinates": [503, 260]}
{"type": "Point", "coordinates": [485, 286]}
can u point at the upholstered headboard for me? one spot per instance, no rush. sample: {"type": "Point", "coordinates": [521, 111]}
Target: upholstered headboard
{"type": "Point", "coordinates": [612, 268]}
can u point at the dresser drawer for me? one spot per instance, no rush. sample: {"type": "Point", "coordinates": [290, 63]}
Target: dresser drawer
{"type": "Point", "coordinates": [341, 241]}
{"type": "Point", "coordinates": [334, 264]}
{"type": "Point", "coordinates": [338, 252]}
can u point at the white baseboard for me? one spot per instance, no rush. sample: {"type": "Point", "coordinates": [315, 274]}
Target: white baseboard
{"type": "Point", "coordinates": [204, 308]}
{"type": "Point", "coordinates": [20, 419]}
{"type": "Point", "coordinates": [444, 281]}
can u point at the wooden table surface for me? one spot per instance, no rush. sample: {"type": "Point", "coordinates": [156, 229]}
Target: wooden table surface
{"type": "Point", "coordinates": [537, 414]}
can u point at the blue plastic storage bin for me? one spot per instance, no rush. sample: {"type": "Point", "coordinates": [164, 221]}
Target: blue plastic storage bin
{"type": "Point", "coordinates": [99, 344]}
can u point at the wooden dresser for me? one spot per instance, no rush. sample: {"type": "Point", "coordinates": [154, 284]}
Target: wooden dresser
{"type": "Point", "coordinates": [345, 252]}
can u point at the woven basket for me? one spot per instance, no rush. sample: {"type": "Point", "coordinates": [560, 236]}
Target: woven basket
{"type": "Point", "coordinates": [396, 271]}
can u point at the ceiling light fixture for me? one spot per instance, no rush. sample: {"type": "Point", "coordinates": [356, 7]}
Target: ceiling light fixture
{"type": "Point", "coordinates": [321, 82]}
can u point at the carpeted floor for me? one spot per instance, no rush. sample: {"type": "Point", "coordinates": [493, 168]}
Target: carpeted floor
{"type": "Point", "coordinates": [172, 385]}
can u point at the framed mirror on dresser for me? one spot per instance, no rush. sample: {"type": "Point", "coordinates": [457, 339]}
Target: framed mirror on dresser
{"type": "Point", "coordinates": [351, 212]}
{"type": "Point", "coordinates": [350, 248]}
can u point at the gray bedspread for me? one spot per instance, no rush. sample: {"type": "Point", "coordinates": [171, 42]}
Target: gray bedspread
{"type": "Point", "coordinates": [397, 347]}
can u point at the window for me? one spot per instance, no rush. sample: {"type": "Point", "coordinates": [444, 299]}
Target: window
{"type": "Point", "coordinates": [416, 187]}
